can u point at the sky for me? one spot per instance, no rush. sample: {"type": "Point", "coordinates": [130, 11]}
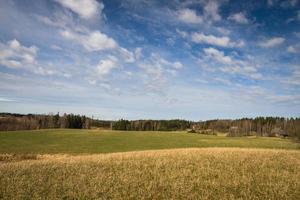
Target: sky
{"type": "Point", "coordinates": [158, 59]}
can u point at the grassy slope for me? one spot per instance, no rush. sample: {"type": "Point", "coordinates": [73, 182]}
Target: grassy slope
{"type": "Point", "coordinates": [93, 141]}
{"type": "Point", "coordinates": [208, 173]}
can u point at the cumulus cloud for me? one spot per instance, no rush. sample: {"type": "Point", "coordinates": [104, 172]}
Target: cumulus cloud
{"type": "Point", "coordinates": [86, 9]}
{"type": "Point", "coordinates": [165, 63]}
{"type": "Point", "coordinates": [211, 11]}
{"type": "Point", "coordinates": [91, 41]}
{"type": "Point", "coordinates": [272, 42]}
{"type": "Point", "coordinates": [214, 40]}
{"type": "Point", "coordinates": [177, 65]}
{"type": "Point", "coordinates": [14, 55]}
{"type": "Point", "coordinates": [210, 14]}
{"type": "Point", "coordinates": [218, 55]}
{"type": "Point", "coordinates": [239, 18]}
{"type": "Point", "coordinates": [292, 49]}
{"type": "Point", "coordinates": [105, 66]}
{"type": "Point", "coordinates": [223, 30]}
{"type": "Point", "coordinates": [229, 64]}
{"type": "Point", "coordinates": [189, 16]}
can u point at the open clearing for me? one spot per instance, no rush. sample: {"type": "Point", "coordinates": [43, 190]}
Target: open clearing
{"type": "Point", "coordinates": [205, 173]}
{"type": "Point", "coordinates": [66, 141]}
{"type": "Point", "coordinates": [81, 164]}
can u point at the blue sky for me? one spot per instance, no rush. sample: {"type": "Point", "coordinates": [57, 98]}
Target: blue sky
{"type": "Point", "coordinates": [139, 59]}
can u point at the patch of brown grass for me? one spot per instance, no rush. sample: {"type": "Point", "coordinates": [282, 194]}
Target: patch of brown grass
{"type": "Point", "coordinates": [17, 157]}
{"type": "Point", "coordinates": [208, 173]}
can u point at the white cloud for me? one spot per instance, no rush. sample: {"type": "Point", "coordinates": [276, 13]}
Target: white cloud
{"type": "Point", "coordinates": [91, 41]}
{"type": "Point", "coordinates": [239, 18]}
{"type": "Point", "coordinates": [223, 30]}
{"type": "Point", "coordinates": [138, 53]}
{"type": "Point", "coordinates": [211, 11]}
{"type": "Point", "coordinates": [127, 56]}
{"type": "Point", "coordinates": [183, 34]}
{"type": "Point", "coordinates": [292, 49]}
{"type": "Point", "coordinates": [189, 16]}
{"type": "Point", "coordinates": [14, 55]}
{"type": "Point", "coordinates": [218, 55]}
{"type": "Point", "coordinates": [210, 14]}
{"type": "Point", "coordinates": [272, 42]}
{"type": "Point", "coordinates": [86, 9]}
{"type": "Point", "coordinates": [105, 66]}
{"type": "Point", "coordinates": [213, 40]}
{"type": "Point", "coordinates": [229, 64]}
{"type": "Point", "coordinates": [165, 63]}
{"type": "Point", "coordinates": [177, 65]}
{"type": "Point", "coordinates": [78, 33]}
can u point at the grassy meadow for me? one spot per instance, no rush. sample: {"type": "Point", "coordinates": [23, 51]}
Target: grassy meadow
{"type": "Point", "coordinates": [102, 164]}
{"type": "Point", "coordinates": [74, 141]}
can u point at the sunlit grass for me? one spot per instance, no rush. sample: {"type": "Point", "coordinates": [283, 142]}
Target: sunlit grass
{"type": "Point", "coordinates": [101, 141]}
{"type": "Point", "coordinates": [206, 173]}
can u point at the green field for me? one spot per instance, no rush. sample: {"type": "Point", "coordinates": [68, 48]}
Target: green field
{"type": "Point", "coordinates": [71, 164]}
{"type": "Point", "coordinates": [66, 141]}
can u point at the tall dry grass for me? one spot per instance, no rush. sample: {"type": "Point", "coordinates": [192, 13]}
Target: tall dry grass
{"type": "Point", "coordinates": [210, 173]}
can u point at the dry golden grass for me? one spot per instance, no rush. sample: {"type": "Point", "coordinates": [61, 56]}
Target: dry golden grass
{"type": "Point", "coordinates": [208, 173]}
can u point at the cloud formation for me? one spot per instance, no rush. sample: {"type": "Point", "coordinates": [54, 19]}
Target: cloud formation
{"type": "Point", "coordinates": [14, 55]}
{"type": "Point", "coordinates": [105, 66]}
{"type": "Point", "coordinates": [223, 41]}
{"type": "Point", "coordinates": [272, 42]}
{"type": "Point", "coordinates": [86, 9]}
{"type": "Point", "coordinates": [189, 16]}
{"type": "Point", "coordinates": [91, 41]}
{"type": "Point", "coordinates": [239, 18]}
{"type": "Point", "coordinates": [152, 58]}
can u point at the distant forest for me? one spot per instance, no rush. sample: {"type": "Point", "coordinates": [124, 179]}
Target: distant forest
{"type": "Point", "coordinates": [260, 126]}
{"type": "Point", "coordinates": [12, 121]}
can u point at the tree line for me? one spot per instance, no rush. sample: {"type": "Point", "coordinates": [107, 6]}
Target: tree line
{"type": "Point", "coordinates": [151, 125]}
{"type": "Point", "coordinates": [12, 121]}
{"type": "Point", "coordinates": [260, 126]}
